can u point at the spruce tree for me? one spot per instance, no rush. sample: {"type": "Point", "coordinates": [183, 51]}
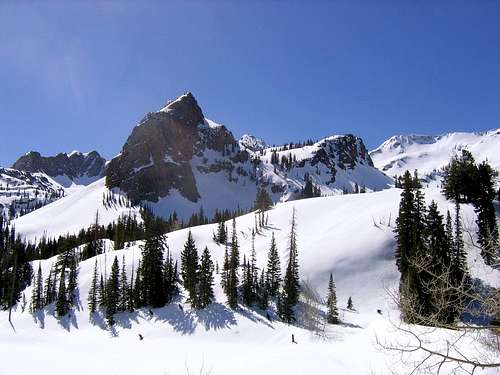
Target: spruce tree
{"type": "Point", "coordinates": [247, 284]}
{"type": "Point", "coordinates": [233, 277]}
{"type": "Point", "coordinates": [72, 279]}
{"type": "Point", "coordinates": [263, 291]}
{"type": "Point", "coordinates": [124, 288]}
{"type": "Point", "coordinates": [113, 292]}
{"type": "Point", "coordinates": [62, 305]}
{"type": "Point", "coordinates": [92, 297]}
{"type": "Point", "coordinates": [205, 280]}
{"type": "Point", "coordinates": [225, 271]}
{"type": "Point", "coordinates": [331, 303]}
{"type": "Point", "coordinates": [101, 293]}
{"type": "Point", "coordinates": [37, 301]}
{"type": "Point", "coordinates": [189, 268]}
{"type": "Point", "coordinates": [350, 306]}
{"type": "Point", "coordinates": [137, 291]}
{"type": "Point", "coordinates": [273, 269]}
{"type": "Point", "coordinates": [151, 270]}
{"type": "Point", "coordinates": [291, 287]}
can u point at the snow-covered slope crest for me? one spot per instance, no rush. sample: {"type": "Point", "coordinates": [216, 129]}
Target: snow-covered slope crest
{"type": "Point", "coordinates": [22, 192]}
{"type": "Point", "coordinates": [429, 153]}
{"type": "Point", "coordinates": [350, 236]}
{"type": "Point", "coordinates": [71, 213]}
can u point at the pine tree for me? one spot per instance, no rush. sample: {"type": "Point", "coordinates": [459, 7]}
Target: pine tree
{"type": "Point", "coordinates": [189, 268]}
{"type": "Point", "coordinates": [50, 290]}
{"type": "Point", "coordinates": [72, 279]}
{"type": "Point", "coordinates": [291, 287]}
{"type": "Point", "coordinates": [247, 284]}
{"type": "Point", "coordinates": [205, 280]}
{"type": "Point", "coordinates": [101, 293]}
{"type": "Point", "coordinates": [92, 297]}
{"type": "Point", "coordinates": [151, 271]}
{"type": "Point", "coordinates": [350, 306]}
{"type": "Point", "coordinates": [137, 292]}
{"type": "Point", "coordinates": [62, 305]}
{"type": "Point", "coordinates": [113, 292]}
{"type": "Point", "coordinates": [233, 278]}
{"type": "Point", "coordinates": [273, 269]}
{"type": "Point", "coordinates": [263, 291]}
{"type": "Point", "coordinates": [37, 301]}
{"type": "Point", "coordinates": [331, 303]}
{"type": "Point", "coordinates": [225, 271]}
{"type": "Point", "coordinates": [124, 288]}
{"type": "Point", "coordinates": [171, 288]}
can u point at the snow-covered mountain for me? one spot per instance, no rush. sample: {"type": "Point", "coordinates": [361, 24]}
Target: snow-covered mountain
{"type": "Point", "coordinates": [251, 143]}
{"type": "Point", "coordinates": [22, 192]}
{"type": "Point", "coordinates": [176, 159]}
{"type": "Point", "coordinates": [68, 169]}
{"type": "Point", "coordinates": [429, 153]}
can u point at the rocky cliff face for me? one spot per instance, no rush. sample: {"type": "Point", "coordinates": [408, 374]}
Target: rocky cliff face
{"type": "Point", "coordinates": [156, 157]}
{"type": "Point", "coordinates": [75, 166]}
{"type": "Point", "coordinates": [176, 159]}
{"type": "Point", "coordinates": [22, 192]}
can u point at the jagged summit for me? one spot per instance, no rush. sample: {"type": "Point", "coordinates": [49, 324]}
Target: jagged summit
{"type": "Point", "coordinates": [65, 168]}
{"type": "Point", "coordinates": [185, 108]}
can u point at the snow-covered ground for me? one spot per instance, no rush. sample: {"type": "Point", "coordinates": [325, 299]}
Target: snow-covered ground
{"type": "Point", "coordinates": [348, 235]}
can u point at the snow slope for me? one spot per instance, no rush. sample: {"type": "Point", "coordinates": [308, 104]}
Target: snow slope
{"type": "Point", "coordinates": [349, 235]}
{"type": "Point", "coordinates": [71, 213]}
{"type": "Point", "coordinates": [429, 154]}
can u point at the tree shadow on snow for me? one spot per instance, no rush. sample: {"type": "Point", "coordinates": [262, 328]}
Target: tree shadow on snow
{"type": "Point", "coordinates": [182, 321]}
{"type": "Point", "coordinates": [216, 316]}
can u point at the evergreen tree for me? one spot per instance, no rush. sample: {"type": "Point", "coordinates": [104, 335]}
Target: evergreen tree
{"type": "Point", "coordinates": [247, 284]}
{"type": "Point", "coordinates": [124, 288]}
{"type": "Point", "coordinates": [92, 297]}
{"type": "Point", "coordinates": [263, 290]}
{"type": "Point", "coordinates": [189, 268]}
{"type": "Point", "coordinates": [206, 280]}
{"type": "Point", "coordinates": [273, 269]}
{"type": "Point", "coordinates": [137, 291]}
{"type": "Point", "coordinates": [225, 271]}
{"type": "Point", "coordinates": [488, 235]}
{"type": "Point", "coordinates": [291, 287]}
{"type": "Point", "coordinates": [263, 201]}
{"type": "Point", "coordinates": [350, 306]}
{"type": "Point", "coordinates": [113, 292]}
{"type": "Point", "coordinates": [72, 279]}
{"type": "Point", "coordinates": [50, 295]}
{"type": "Point", "coordinates": [101, 293]}
{"type": "Point", "coordinates": [151, 270]}
{"type": "Point", "coordinates": [170, 277]}
{"type": "Point", "coordinates": [62, 305]}
{"type": "Point", "coordinates": [233, 277]}
{"type": "Point", "coordinates": [331, 303]}
{"type": "Point", "coordinates": [37, 301]}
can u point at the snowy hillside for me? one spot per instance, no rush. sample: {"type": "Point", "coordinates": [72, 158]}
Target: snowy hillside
{"type": "Point", "coordinates": [429, 154]}
{"type": "Point", "coordinates": [71, 213]}
{"type": "Point", "coordinates": [349, 235]}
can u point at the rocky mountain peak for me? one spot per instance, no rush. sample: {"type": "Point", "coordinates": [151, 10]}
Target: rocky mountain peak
{"type": "Point", "coordinates": [72, 165]}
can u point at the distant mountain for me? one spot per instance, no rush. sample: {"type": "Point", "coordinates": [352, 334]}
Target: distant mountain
{"type": "Point", "coordinates": [75, 168]}
{"type": "Point", "coordinates": [251, 143]}
{"type": "Point", "coordinates": [22, 192]}
{"type": "Point", "coordinates": [176, 159]}
{"type": "Point", "coordinates": [429, 153]}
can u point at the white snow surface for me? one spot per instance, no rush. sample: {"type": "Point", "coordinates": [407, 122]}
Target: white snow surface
{"type": "Point", "coordinates": [70, 213]}
{"type": "Point", "coordinates": [349, 235]}
{"type": "Point", "coordinates": [429, 154]}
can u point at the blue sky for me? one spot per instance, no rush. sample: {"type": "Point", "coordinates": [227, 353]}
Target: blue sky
{"type": "Point", "coordinates": [79, 75]}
